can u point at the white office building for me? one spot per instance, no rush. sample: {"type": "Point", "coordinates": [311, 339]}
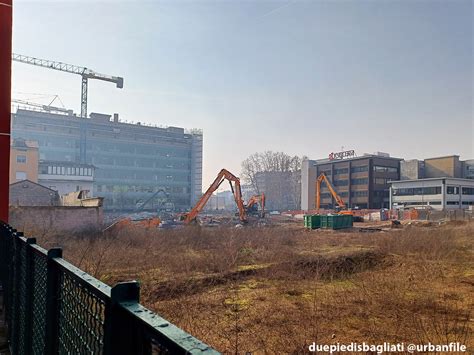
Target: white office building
{"type": "Point", "coordinates": [65, 177]}
{"type": "Point", "coordinates": [437, 193]}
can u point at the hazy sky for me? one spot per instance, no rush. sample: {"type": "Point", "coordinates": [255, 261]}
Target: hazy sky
{"type": "Point", "coordinates": [303, 77]}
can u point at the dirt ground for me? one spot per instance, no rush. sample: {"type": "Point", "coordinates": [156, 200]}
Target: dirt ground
{"type": "Point", "coordinates": [277, 288]}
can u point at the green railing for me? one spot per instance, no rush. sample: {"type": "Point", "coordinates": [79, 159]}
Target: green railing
{"type": "Point", "coordinates": [52, 307]}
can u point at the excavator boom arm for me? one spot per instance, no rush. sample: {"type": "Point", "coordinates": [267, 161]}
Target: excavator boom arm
{"type": "Point", "coordinates": [340, 202]}
{"type": "Point", "coordinates": [223, 175]}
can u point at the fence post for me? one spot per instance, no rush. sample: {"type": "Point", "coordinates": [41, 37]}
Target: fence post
{"type": "Point", "coordinates": [8, 286]}
{"type": "Point", "coordinates": [52, 302]}
{"type": "Point", "coordinates": [15, 286]}
{"type": "Point", "coordinates": [29, 275]}
{"type": "Point", "coordinates": [118, 333]}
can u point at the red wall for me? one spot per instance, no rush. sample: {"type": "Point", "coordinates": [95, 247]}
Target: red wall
{"type": "Point", "coordinates": [5, 102]}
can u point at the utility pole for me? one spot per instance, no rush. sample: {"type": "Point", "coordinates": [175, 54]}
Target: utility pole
{"type": "Point", "coordinates": [5, 103]}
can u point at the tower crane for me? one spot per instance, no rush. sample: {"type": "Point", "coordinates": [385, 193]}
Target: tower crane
{"type": "Point", "coordinates": [85, 74]}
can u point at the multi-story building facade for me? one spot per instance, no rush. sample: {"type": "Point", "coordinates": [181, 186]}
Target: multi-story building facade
{"type": "Point", "coordinates": [282, 189]}
{"type": "Point", "coordinates": [435, 193]}
{"type": "Point", "coordinates": [23, 160]}
{"type": "Point", "coordinates": [132, 161]}
{"type": "Point", "coordinates": [447, 166]}
{"type": "Point", "coordinates": [362, 182]}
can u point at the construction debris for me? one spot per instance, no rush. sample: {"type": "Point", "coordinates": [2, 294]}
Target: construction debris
{"type": "Point", "coordinates": [81, 198]}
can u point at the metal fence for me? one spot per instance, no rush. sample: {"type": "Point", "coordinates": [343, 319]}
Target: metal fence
{"type": "Point", "coordinates": [52, 307]}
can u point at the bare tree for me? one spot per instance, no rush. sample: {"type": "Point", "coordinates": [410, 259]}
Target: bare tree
{"type": "Point", "coordinates": [282, 187]}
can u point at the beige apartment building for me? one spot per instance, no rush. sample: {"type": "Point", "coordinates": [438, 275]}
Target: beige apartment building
{"type": "Point", "coordinates": [23, 160]}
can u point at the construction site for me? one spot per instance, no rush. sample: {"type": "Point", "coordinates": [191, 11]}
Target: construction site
{"type": "Point", "coordinates": [245, 281]}
{"type": "Point", "coordinates": [349, 265]}
{"type": "Point", "coordinates": [251, 289]}
{"type": "Point", "coordinates": [121, 236]}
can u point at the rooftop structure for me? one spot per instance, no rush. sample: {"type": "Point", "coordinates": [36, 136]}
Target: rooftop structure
{"type": "Point", "coordinates": [445, 166]}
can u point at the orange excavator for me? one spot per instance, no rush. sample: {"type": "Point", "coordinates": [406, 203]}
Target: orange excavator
{"type": "Point", "coordinates": [126, 222]}
{"type": "Point", "coordinates": [253, 203]}
{"type": "Point", "coordinates": [340, 202]}
{"type": "Point", "coordinates": [236, 191]}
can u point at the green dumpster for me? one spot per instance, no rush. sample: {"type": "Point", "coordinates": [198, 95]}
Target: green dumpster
{"type": "Point", "coordinates": [336, 221]}
{"type": "Point", "coordinates": [312, 221]}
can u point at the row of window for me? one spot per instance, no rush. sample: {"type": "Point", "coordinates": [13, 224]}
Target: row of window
{"type": "Point", "coordinates": [363, 181]}
{"type": "Point", "coordinates": [94, 147]}
{"type": "Point", "coordinates": [417, 191]}
{"type": "Point", "coordinates": [62, 170]}
{"type": "Point", "coordinates": [341, 182]}
{"type": "Point", "coordinates": [363, 168]}
{"type": "Point", "coordinates": [468, 190]}
{"type": "Point", "coordinates": [456, 203]}
{"type": "Point", "coordinates": [105, 134]}
{"type": "Point", "coordinates": [328, 195]}
{"type": "Point", "coordinates": [141, 175]}
{"type": "Point", "coordinates": [174, 163]}
{"type": "Point", "coordinates": [341, 171]}
{"type": "Point", "coordinates": [417, 203]}
{"type": "Point", "coordinates": [359, 169]}
{"type": "Point", "coordinates": [454, 190]}
{"type": "Point", "coordinates": [153, 150]}
{"type": "Point", "coordinates": [385, 169]}
{"type": "Point", "coordinates": [359, 193]}
{"type": "Point", "coordinates": [149, 189]}
{"type": "Point", "coordinates": [345, 194]}
{"type": "Point", "coordinates": [435, 190]}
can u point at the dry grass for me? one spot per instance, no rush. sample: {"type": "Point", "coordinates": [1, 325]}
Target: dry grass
{"type": "Point", "coordinates": [277, 289]}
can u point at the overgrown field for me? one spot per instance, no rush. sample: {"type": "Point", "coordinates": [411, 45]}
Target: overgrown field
{"type": "Point", "coordinates": [278, 289]}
